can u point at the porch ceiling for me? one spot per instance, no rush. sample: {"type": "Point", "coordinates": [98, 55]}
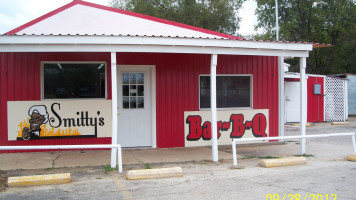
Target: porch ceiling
{"type": "Point", "coordinates": [119, 43]}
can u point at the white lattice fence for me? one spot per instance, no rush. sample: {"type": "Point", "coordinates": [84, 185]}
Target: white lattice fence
{"type": "Point", "coordinates": [335, 100]}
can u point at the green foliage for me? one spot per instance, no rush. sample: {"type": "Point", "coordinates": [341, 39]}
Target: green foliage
{"type": "Point", "coordinates": [107, 168]}
{"type": "Point", "coordinates": [305, 155]}
{"type": "Point", "coordinates": [320, 21]}
{"type": "Point", "coordinates": [147, 166]}
{"type": "Point", "coordinates": [216, 15]}
{"type": "Point", "coordinates": [261, 157]}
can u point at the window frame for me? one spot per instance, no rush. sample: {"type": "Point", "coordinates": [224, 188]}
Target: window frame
{"type": "Point", "coordinates": [73, 62]}
{"type": "Point", "coordinates": [229, 108]}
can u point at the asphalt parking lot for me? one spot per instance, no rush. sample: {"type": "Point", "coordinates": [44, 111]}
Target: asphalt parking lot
{"type": "Point", "coordinates": [327, 175]}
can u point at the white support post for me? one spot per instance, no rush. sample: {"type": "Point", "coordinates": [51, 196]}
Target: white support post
{"type": "Point", "coordinates": [114, 109]}
{"type": "Point", "coordinates": [234, 156]}
{"type": "Point", "coordinates": [277, 25]}
{"type": "Point", "coordinates": [119, 158]}
{"type": "Point", "coordinates": [303, 104]}
{"type": "Point", "coordinates": [354, 143]}
{"type": "Point", "coordinates": [214, 58]}
{"type": "Point", "coordinates": [281, 95]}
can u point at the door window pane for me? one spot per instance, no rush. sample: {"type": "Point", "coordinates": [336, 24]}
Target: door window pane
{"type": "Point", "coordinates": [125, 78]}
{"type": "Point", "coordinates": [132, 78]}
{"type": "Point", "coordinates": [133, 90]}
{"type": "Point", "coordinates": [133, 102]}
{"type": "Point", "coordinates": [140, 78]}
{"type": "Point", "coordinates": [140, 102]}
{"type": "Point", "coordinates": [125, 90]}
{"type": "Point", "coordinates": [126, 102]}
{"type": "Point", "coordinates": [140, 91]}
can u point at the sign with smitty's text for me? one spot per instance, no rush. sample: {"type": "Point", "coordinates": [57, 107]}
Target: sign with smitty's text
{"type": "Point", "coordinates": [50, 119]}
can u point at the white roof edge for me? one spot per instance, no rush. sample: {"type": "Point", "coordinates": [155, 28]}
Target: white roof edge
{"type": "Point", "coordinates": [146, 40]}
{"type": "Point", "coordinates": [297, 75]}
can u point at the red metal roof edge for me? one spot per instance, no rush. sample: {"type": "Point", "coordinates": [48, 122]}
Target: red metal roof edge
{"type": "Point", "coordinates": [164, 21]}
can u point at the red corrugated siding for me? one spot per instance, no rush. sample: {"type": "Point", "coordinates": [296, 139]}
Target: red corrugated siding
{"type": "Point", "coordinates": [20, 78]}
{"type": "Point", "coordinates": [315, 102]}
{"type": "Point", "coordinates": [177, 77]}
{"type": "Point", "coordinates": [177, 87]}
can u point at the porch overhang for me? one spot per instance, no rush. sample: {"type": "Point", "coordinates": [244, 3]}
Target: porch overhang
{"type": "Point", "coordinates": [108, 43]}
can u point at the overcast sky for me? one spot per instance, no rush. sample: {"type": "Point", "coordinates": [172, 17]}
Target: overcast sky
{"type": "Point", "coordinates": [14, 13]}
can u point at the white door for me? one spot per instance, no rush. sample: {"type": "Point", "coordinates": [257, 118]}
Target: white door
{"type": "Point", "coordinates": [134, 102]}
{"type": "Point", "coordinates": [292, 97]}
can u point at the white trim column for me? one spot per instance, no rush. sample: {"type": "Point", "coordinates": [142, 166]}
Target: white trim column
{"type": "Point", "coordinates": [303, 103]}
{"type": "Point", "coordinates": [114, 108]}
{"type": "Point", "coordinates": [214, 147]}
{"type": "Point", "coordinates": [281, 96]}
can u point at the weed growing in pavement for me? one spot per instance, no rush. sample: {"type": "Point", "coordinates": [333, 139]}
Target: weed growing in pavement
{"type": "Point", "coordinates": [248, 157]}
{"type": "Point", "coordinates": [107, 168]}
{"type": "Point", "coordinates": [263, 157]}
{"type": "Point", "coordinates": [305, 155]}
{"type": "Point", "coordinates": [291, 141]}
{"type": "Point", "coordinates": [147, 166]}
{"type": "Point", "coordinates": [268, 157]}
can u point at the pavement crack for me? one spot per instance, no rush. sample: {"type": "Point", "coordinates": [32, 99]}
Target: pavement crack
{"type": "Point", "coordinates": [55, 160]}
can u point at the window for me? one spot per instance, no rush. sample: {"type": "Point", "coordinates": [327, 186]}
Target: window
{"type": "Point", "coordinates": [74, 80]}
{"type": "Point", "coordinates": [231, 91]}
{"type": "Point", "coordinates": [133, 90]}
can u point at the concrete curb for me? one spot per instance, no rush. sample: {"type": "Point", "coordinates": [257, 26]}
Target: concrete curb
{"type": "Point", "coordinates": [39, 179]}
{"type": "Point", "coordinates": [339, 123]}
{"type": "Point", "coordinates": [352, 157]}
{"type": "Point", "coordinates": [298, 124]}
{"type": "Point", "coordinates": [154, 173]}
{"type": "Point", "coordinates": [279, 162]}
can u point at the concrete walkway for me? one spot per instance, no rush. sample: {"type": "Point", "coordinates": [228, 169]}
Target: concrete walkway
{"type": "Point", "coordinates": [59, 159]}
{"type": "Point", "coordinates": [322, 148]}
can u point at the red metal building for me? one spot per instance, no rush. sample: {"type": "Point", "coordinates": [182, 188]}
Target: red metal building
{"type": "Point", "coordinates": [159, 72]}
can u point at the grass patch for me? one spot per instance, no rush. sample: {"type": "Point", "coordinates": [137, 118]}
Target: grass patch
{"type": "Point", "coordinates": [291, 141]}
{"type": "Point", "coordinates": [107, 168]}
{"type": "Point", "coordinates": [147, 166]}
{"type": "Point", "coordinates": [263, 157]}
{"type": "Point", "coordinates": [305, 155]}
{"type": "Point", "coordinates": [248, 157]}
{"type": "Point", "coordinates": [268, 157]}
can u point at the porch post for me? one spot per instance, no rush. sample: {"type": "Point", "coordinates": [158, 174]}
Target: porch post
{"type": "Point", "coordinates": [214, 58]}
{"type": "Point", "coordinates": [281, 95]}
{"type": "Point", "coordinates": [114, 109]}
{"type": "Point", "coordinates": [303, 103]}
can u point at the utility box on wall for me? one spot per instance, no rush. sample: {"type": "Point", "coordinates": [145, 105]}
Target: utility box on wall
{"type": "Point", "coordinates": [317, 89]}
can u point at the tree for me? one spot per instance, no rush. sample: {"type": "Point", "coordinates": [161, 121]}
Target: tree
{"type": "Point", "coordinates": [216, 15]}
{"type": "Point", "coordinates": [319, 21]}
